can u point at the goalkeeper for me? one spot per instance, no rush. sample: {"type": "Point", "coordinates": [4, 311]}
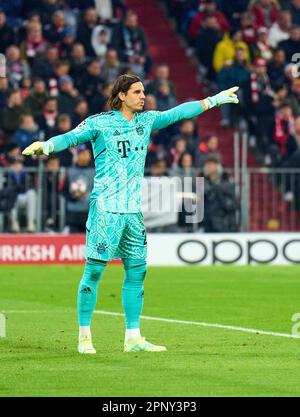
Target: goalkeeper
{"type": "Point", "coordinates": [115, 226]}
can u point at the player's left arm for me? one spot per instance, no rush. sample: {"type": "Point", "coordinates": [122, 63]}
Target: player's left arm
{"type": "Point", "coordinates": [194, 108]}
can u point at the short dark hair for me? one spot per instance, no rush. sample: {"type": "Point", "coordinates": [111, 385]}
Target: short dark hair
{"type": "Point", "coordinates": [212, 158]}
{"type": "Point", "coordinates": [122, 85]}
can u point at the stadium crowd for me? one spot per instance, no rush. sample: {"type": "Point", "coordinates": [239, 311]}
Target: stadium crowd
{"type": "Point", "coordinates": [61, 52]}
{"type": "Point", "coordinates": [254, 44]}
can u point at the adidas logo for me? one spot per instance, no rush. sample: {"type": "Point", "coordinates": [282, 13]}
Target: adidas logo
{"type": "Point", "coordinates": [117, 133]}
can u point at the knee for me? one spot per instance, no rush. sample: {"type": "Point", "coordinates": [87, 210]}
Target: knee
{"type": "Point", "coordinates": [135, 270]}
{"type": "Point", "coordinates": [93, 270]}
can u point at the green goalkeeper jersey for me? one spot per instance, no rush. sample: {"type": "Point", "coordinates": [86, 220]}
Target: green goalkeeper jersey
{"type": "Point", "coordinates": [120, 148]}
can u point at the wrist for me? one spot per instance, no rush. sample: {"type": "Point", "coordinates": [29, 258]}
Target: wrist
{"type": "Point", "coordinates": [210, 102]}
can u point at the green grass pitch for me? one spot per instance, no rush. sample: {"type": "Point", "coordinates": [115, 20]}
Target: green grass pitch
{"type": "Point", "coordinates": [38, 356]}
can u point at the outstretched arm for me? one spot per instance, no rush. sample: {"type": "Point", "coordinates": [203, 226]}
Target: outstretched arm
{"type": "Point", "coordinates": [194, 108]}
{"type": "Point", "coordinates": [83, 133]}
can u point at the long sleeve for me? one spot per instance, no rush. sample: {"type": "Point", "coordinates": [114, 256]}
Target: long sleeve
{"type": "Point", "coordinates": [83, 133]}
{"type": "Point", "coordinates": [183, 111]}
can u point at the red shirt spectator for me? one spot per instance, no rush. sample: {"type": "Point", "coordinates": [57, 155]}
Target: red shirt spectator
{"type": "Point", "coordinates": [265, 12]}
{"type": "Point", "coordinates": [210, 9]}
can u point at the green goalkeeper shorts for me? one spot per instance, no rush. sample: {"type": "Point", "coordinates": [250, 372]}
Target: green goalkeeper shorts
{"type": "Point", "coordinates": [115, 235]}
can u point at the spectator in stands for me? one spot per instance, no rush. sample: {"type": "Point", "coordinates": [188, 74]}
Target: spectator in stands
{"type": "Point", "coordinates": [55, 31]}
{"type": "Point", "coordinates": [50, 195]}
{"type": "Point", "coordinates": [48, 117]}
{"type": "Point", "coordinates": [295, 96]}
{"type": "Point", "coordinates": [64, 125]}
{"type": "Point", "coordinates": [206, 41]}
{"type": "Point", "coordinates": [130, 42]}
{"type": "Point", "coordinates": [248, 28]}
{"type": "Point", "coordinates": [6, 32]}
{"type": "Point", "coordinates": [226, 48]}
{"type": "Point", "coordinates": [67, 95]}
{"type": "Point", "coordinates": [85, 29]}
{"type": "Point", "coordinates": [220, 201]}
{"type": "Point", "coordinates": [207, 148]}
{"type": "Point", "coordinates": [68, 39]}
{"type": "Point", "coordinates": [80, 113]}
{"type": "Point", "coordinates": [44, 66]}
{"type": "Point", "coordinates": [99, 102]}
{"type": "Point", "coordinates": [12, 112]}
{"type": "Point", "coordinates": [276, 68]}
{"type": "Point", "coordinates": [12, 152]}
{"type": "Point", "coordinates": [233, 73]}
{"type": "Point", "coordinates": [162, 73]}
{"type": "Point", "coordinates": [259, 105]}
{"type": "Point", "coordinates": [188, 131]}
{"type": "Point", "coordinates": [165, 99]}
{"type": "Point", "coordinates": [294, 8]}
{"type": "Point", "coordinates": [100, 40]}
{"type": "Point", "coordinates": [111, 66]}
{"type": "Point", "coordinates": [78, 62]}
{"type": "Point", "coordinates": [34, 44]}
{"type": "Point", "coordinates": [4, 93]}
{"type": "Point", "coordinates": [266, 12]}
{"type": "Point", "coordinates": [175, 153]}
{"type": "Point", "coordinates": [25, 196]}
{"type": "Point", "coordinates": [263, 49]}
{"type": "Point", "coordinates": [35, 101]}
{"type": "Point", "coordinates": [284, 127]}
{"type": "Point", "coordinates": [91, 80]}
{"type": "Point", "coordinates": [17, 69]}
{"type": "Point", "coordinates": [77, 188]}
{"type": "Point", "coordinates": [27, 132]}
{"type": "Point", "coordinates": [280, 31]}
{"type": "Point", "coordinates": [210, 10]}
{"type": "Point", "coordinates": [291, 46]}
{"type": "Point", "coordinates": [293, 141]}
{"type": "Point", "coordinates": [159, 168]}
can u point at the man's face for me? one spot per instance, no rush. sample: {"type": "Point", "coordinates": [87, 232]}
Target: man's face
{"type": "Point", "coordinates": [211, 168]}
{"type": "Point", "coordinates": [52, 54]}
{"type": "Point", "coordinates": [39, 87]}
{"type": "Point", "coordinates": [131, 21]}
{"type": "Point", "coordinates": [94, 68]}
{"type": "Point", "coordinates": [15, 99]}
{"type": "Point", "coordinates": [13, 53]}
{"type": "Point", "coordinates": [51, 106]}
{"type": "Point", "coordinates": [297, 125]}
{"type": "Point", "coordinates": [53, 164]}
{"type": "Point", "coordinates": [84, 158]}
{"type": "Point", "coordinates": [295, 34]}
{"type": "Point", "coordinates": [150, 103]}
{"type": "Point", "coordinates": [112, 56]}
{"type": "Point", "coordinates": [64, 125]}
{"type": "Point", "coordinates": [296, 3]}
{"type": "Point", "coordinates": [134, 99]}
{"type": "Point", "coordinates": [213, 144]}
{"type": "Point", "coordinates": [90, 16]}
{"type": "Point", "coordinates": [280, 57]}
{"type": "Point", "coordinates": [163, 72]}
{"type": "Point", "coordinates": [2, 19]}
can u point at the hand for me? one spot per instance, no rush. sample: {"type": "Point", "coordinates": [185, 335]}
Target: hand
{"type": "Point", "coordinates": [225, 97]}
{"type": "Point", "coordinates": [38, 148]}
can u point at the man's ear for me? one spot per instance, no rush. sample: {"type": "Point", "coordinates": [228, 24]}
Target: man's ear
{"type": "Point", "coordinates": [121, 96]}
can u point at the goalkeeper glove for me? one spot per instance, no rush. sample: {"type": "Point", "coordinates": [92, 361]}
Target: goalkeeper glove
{"type": "Point", "coordinates": [39, 148]}
{"type": "Point", "coordinates": [226, 96]}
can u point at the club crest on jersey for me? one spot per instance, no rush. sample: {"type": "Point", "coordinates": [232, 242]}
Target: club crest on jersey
{"type": "Point", "coordinates": [81, 124]}
{"type": "Point", "coordinates": [140, 130]}
{"type": "Point", "coordinates": [101, 247]}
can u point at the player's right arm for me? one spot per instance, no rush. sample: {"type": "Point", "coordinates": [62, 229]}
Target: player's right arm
{"type": "Point", "coordinates": [83, 133]}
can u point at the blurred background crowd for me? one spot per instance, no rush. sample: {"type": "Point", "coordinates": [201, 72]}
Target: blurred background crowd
{"type": "Point", "coordinates": [64, 55]}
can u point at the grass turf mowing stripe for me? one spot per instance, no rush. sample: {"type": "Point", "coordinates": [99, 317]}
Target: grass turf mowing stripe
{"type": "Point", "coordinates": [175, 321]}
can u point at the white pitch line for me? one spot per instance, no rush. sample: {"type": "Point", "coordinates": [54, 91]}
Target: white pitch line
{"type": "Point", "coordinates": [194, 323]}
{"type": "Point", "coordinates": [199, 323]}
